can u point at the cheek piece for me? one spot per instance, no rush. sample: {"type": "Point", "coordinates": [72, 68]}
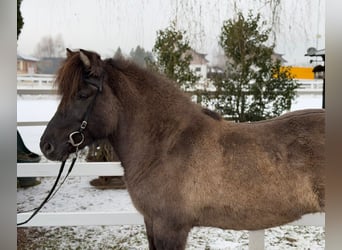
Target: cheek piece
{"type": "Point", "coordinates": [76, 138]}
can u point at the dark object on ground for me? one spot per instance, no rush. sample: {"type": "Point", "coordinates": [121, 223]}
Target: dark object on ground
{"type": "Point", "coordinates": [99, 151]}
{"type": "Point", "coordinates": [24, 155]}
{"type": "Point", "coordinates": [108, 182]}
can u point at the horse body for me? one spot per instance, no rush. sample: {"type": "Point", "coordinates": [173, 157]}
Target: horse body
{"type": "Point", "coordinates": [186, 167]}
{"type": "Point", "coordinates": [247, 176]}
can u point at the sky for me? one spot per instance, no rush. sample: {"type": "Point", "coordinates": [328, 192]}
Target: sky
{"type": "Point", "coordinates": [104, 25]}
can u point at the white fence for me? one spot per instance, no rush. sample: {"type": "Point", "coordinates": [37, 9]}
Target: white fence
{"type": "Point", "coordinates": [46, 81]}
{"type": "Point", "coordinates": [34, 80]}
{"type": "Point", "coordinates": [76, 218]}
{"type": "Point", "coordinates": [310, 86]}
{"type": "Point", "coordinates": [256, 238]}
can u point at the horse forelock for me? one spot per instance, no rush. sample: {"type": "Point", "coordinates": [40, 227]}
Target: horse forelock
{"type": "Point", "coordinates": [69, 77]}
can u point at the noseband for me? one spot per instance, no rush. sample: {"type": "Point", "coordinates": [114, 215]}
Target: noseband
{"type": "Point", "coordinates": [75, 142]}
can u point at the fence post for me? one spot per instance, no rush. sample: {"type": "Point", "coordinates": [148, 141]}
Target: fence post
{"type": "Point", "coordinates": [256, 240]}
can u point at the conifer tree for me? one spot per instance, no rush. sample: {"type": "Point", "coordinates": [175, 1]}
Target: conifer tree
{"type": "Point", "coordinates": [140, 56]}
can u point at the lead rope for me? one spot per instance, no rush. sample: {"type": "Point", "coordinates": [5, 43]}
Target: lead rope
{"type": "Point", "coordinates": [47, 197]}
{"type": "Point", "coordinates": [52, 192]}
{"type": "Point", "coordinates": [60, 185]}
{"type": "Point", "coordinates": [66, 176]}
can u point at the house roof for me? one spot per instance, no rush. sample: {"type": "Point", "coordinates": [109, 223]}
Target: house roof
{"type": "Point", "coordinates": [198, 58]}
{"type": "Point", "coordinates": [27, 58]}
{"type": "Point", "coordinates": [318, 68]}
{"type": "Point", "coordinates": [314, 52]}
{"type": "Point", "coordinates": [279, 56]}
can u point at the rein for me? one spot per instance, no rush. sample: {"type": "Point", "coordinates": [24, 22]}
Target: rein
{"type": "Point", "coordinates": [75, 142]}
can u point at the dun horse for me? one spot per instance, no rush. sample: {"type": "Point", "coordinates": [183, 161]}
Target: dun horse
{"type": "Point", "coordinates": [184, 166]}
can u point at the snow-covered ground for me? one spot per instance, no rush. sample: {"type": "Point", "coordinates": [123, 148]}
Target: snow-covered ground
{"type": "Point", "coordinates": [78, 195]}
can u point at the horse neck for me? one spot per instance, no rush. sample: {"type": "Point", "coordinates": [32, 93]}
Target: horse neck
{"type": "Point", "coordinates": [153, 114]}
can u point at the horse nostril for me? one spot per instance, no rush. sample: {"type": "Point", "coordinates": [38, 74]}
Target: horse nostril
{"type": "Point", "coordinates": [48, 148]}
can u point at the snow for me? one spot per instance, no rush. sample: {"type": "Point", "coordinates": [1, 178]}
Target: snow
{"type": "Point", "coordinates": [78, 195]}
{"type": "Point", "coordinates": [306, 101]}
{"type": "Point", "coordinates": [75, 195]}
{"type": "Point", "coordinates": [36, 108]}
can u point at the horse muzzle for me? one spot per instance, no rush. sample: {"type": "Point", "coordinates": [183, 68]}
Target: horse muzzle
{"type": "Point", "coordinates": [54, 152]}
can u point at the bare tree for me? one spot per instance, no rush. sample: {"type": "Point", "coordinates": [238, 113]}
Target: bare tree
{"type": "Point", "coordinates": [50, 47]}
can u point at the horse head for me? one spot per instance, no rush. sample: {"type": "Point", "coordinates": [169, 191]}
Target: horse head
{"type": "Point", "coordinates": [88, 109]}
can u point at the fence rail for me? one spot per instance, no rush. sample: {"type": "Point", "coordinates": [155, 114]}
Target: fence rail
{"type": "Point", "coordinates": [310, 86]}
{"type": "Point", "coordinates": [256, 238]}
{"type": "Point", "coordinates": [32, 123]}
{"type": "Point", "coordinates": [80, 169]}
{"type": "Point", "coordinates": [35, 91]}
{"type": "Point", "coordinates": [82, 219]}
{"type": "Point", "coordinates": [39, 79]}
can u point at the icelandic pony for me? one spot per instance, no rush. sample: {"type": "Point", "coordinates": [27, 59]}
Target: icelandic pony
{"type": "Point", "coordinates": [184, 166]}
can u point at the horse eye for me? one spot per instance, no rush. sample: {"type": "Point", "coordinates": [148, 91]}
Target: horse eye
{"type": "Point", "coordinates": [82, 95]}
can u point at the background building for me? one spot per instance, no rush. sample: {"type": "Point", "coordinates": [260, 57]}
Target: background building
{"type": "Point", "coordinates": [27, 64]}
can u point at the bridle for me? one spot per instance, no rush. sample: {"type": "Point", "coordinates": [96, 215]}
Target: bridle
{"type": "Point", "coordinates": [72, 137]}
{"type": "Point", "coordinates": [75, 142]}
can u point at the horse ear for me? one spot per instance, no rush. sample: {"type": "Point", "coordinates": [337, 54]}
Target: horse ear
{"type": "Point", "coordinates": [84, 58]}
{"type": "Point", "coordinates": [69, 52]}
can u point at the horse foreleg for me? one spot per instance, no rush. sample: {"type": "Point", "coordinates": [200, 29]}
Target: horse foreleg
{"type": "Point", "coordinates": [168, 235]}
{"type": "Point", "coordinates": [149, 232]}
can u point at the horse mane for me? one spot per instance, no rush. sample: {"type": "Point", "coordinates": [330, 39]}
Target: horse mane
{"type": "Point", "coordinates": [141, 76]}
{"type": "Point", "coordinates": [212, 114]}
{"type": "Point", "coordinates": [124, 75]}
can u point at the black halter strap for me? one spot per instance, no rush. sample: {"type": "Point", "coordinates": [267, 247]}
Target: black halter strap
{"type": "Point", "coordinates": [73, 141]}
